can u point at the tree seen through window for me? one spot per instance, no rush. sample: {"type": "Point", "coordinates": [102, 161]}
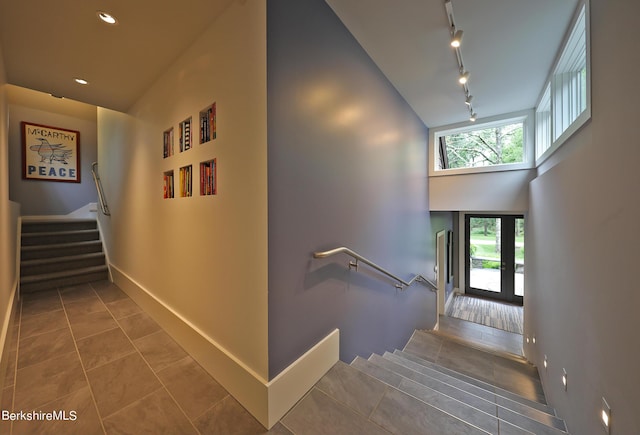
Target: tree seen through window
{"type": "Point", "coordinates": [484, 147]}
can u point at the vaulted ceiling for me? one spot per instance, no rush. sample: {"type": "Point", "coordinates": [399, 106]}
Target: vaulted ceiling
{"type": "Point", "coordinates": [508, 47]}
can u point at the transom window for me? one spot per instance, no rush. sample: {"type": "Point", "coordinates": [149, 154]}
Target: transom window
{"type": "Point", "coordinates": [500, 144]}
{"type": "Point", "coordinates": [565, 102]}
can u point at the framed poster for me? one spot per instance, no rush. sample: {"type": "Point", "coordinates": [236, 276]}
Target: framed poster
{"type": "Point", "coordinates": [50, 153]}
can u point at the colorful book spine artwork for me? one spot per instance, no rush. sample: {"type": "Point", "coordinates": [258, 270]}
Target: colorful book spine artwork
{"type": "Point", "coordinates": [208, 178]}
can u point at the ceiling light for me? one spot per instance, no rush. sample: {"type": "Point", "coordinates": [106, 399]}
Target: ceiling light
{"type": "Point", "coordinates": [545, 363]}
{"type": "Point", "coordinates": [472, 118]}
{"type": "Point", "coordinates": [564, 379]}
{"type": "Point", "coordinates": [457, 39]}
{"type": "Point", "coordinates": [107, 18]}
{"type": "Point", "coordinates": [605, 415]}
{"type": "Point", "coordinates": [468, 100]}
{"type": "Point", "coordinates": [81, 81]}
{"type": "Point", "coordinates": [534, 339]}
{"type": "Point", "coordinates": [464, 77]}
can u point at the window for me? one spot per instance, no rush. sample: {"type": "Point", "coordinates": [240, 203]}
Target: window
{"type": "Point", "coordinates": [499, 144]}
{"type": "Point", "coordinates": [565, 102]}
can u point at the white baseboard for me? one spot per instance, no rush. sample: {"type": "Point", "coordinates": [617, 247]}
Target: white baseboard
{"type": "Point", "coordinates": [267, 401]}
{"type": "Point", "coordinates": [452, 295]}
{"type": "Point", "coordinates": [286, 389]}
{"type": "Point", "coordinates": [7, 340]}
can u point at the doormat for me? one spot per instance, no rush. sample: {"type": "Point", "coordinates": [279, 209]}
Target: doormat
{"type": "Point", "coordinates": [489, 313]}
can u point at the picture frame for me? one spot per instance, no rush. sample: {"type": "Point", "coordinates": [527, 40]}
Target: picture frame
{"type": "Point", "coordinates": [50, 153]}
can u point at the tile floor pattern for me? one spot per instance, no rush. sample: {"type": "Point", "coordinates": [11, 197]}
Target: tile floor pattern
{"type": "Point", "coordinates": [481, 335]}
{"type": "Point", "coordinates": [91, 349]}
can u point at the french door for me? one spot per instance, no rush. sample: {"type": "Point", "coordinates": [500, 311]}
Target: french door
{"type": "Point", "coordinates": [494, 252]}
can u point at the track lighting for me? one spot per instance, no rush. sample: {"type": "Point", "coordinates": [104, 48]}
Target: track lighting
{"type": "Point", "coordinates": [457, 39]}
{"type": "Point", "coordinates": [605, 415]}
{"type": "Point", "coordinates": [456, 42]}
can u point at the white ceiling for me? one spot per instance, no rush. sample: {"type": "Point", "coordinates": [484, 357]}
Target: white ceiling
{"type": "Point", "coordinates": [508, 47]}
{"type": "Point", "coordinates": [47, 43]}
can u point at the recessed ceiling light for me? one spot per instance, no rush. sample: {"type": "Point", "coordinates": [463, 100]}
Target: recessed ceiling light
{"type": "Point", "coordinates": [107, 18]}
{"type": "Point", "coordinates": [81, 81]}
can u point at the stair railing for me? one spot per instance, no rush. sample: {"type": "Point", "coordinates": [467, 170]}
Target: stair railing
{"type": "Point", "coordinates": [400, 283]}
{"type": "Point", "coordinates": [101, 198]}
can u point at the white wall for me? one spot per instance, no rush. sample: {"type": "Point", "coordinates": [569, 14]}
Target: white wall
{"type": "Point", "coordinates": [9, 213]}
{"type": "Point", "coordinates": [582, 243]}
{"type": "Point", "coordinates": [203, 258]}
{"type": "Point", "coordinates": [491, 191]}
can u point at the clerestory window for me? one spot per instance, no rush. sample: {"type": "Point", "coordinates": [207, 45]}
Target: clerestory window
{"type": "Point", "coordinates": [501, 144]}
{"type": "Point", "coordinates": [565, 102]}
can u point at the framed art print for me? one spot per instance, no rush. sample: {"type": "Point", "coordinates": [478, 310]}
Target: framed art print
{"type": "Point", "coordinates": [50, 153]}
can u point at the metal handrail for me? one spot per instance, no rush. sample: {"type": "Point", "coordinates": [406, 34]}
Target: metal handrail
{"type": "Point", "coordinates": [96, 179]}
{"type": "Point", "coordinates": [402, 283]}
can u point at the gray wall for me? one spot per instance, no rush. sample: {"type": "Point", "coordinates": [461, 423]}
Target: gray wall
{"type": "Point", "coordinates": [582, 294]}
{"type": "Point", "coordinates": [39, 197]}
{"type": "Point", "coordinates": [347, 167]}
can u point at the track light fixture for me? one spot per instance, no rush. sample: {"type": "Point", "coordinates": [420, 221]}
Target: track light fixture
{"type": "Point", "coordinates": [456, 41]}
{"type": "Point", "coordinates": [464, 77]}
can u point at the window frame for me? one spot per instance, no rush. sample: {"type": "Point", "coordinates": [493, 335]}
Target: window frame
{"type": "Point", "coordinates": [580, 120]}
{"type": "Point", "coordinates": [525, 116]}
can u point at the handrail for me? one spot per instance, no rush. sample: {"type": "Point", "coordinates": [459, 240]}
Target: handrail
{"type": "Point", "coordinates": [402, 283]}
{"type": "Point", "coordinates": [96, 179]}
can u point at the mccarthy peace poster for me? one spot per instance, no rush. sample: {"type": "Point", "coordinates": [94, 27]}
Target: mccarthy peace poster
{"type": "Point", "coordinates": [50, 153]}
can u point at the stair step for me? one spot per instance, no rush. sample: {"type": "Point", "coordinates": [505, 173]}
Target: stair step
{"type": "Point", "coordinates": [65, 278]}
{"type": "Point", "coordinates": [504, 371]}
{"type": "Point", "coordinates": [487, 421]}
{"type": "Point", "coordinates": [31, 225]}
{"type": "Point", "coordinates": [60, 250]}
{"type": "Point", "coordinates": [482, 412]}
{"type": "Point", "coordinates": [56, 237]}
{"type": "Point", "coordinates": [57, 264]}
{"type": "Point", "coordinates": [504, 396]}
{"type": "Point", "coordinates": [348, 401]}
{"type": "Point", "coordinates": [506, 401]}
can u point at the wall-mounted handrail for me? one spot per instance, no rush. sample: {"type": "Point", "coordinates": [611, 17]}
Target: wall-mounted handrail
{"type": "Point", "coordinates": [401, 284]}
{"type": "Point", "coordinates": [101, 198]}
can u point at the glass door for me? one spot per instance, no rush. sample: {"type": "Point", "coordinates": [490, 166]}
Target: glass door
{"type": "Point", "coordinates": [495, 256]}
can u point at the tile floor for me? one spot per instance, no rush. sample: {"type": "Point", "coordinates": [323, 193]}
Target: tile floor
{"type": "Point", "coordinates": [481, 335]}
{"type": "Point", "coordinates": [92, 350]}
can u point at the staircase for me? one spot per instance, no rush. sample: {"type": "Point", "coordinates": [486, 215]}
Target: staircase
{"type": "Point", "coordinates": [435, 386]}
{"type": "Point", "coordinates": [60, 252]}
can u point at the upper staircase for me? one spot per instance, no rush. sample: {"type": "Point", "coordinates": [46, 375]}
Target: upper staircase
{"type": "Point", "coordinates": [60, 252]}
{"type": "Point", "coordinates": [436, 385]}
